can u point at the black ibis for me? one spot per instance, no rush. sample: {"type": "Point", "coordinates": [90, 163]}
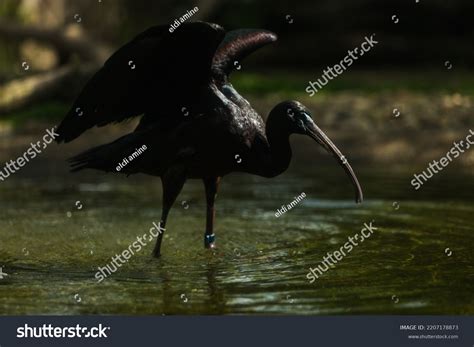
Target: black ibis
{"type": "Point", "coordinates": [194, 124]}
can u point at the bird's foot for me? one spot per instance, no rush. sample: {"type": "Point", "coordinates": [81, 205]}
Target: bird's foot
{"type": "Point", "coordinates": [209, 241]}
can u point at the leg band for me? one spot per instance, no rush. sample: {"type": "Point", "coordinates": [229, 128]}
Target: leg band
{"type": "Point", "coordinates": [208, 239]}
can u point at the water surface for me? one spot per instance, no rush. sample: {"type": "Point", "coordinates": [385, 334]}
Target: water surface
{"type": "Point", "coordinates": [260, 266]}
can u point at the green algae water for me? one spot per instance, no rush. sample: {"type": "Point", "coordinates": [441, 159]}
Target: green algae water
{"type": "Point", "coordinates": [57, 228]}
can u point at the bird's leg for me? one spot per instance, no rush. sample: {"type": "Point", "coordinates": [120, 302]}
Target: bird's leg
{"type": "Point", "coordinates": [211, 185]}
{"type": "Point", "coordinates": [172, 184]}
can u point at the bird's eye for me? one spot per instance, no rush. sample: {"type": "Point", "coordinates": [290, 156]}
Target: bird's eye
{"type": "Point", "coordinates": [290, 113]}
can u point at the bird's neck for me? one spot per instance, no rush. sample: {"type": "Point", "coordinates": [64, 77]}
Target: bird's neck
{"type": "Point", "coordinates": [280, 150]}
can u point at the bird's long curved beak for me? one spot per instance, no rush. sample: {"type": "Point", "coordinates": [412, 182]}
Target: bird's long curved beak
{"type": "Point", "coordinates": [320, 137]}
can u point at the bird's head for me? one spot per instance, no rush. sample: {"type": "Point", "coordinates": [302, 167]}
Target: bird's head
{"type": "Point", "coordinates": [295, 118]}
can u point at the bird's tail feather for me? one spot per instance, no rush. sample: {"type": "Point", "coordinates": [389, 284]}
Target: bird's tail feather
{"type": "Point", "coordinates": [94, 158]}
{"type": "Point", "coordinates": [106, 157]}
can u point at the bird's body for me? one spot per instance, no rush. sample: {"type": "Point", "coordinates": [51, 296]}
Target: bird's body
{"type": "Point", "coordinates": [226, 139]}
{"type": "Point", "coordinates": [200, 127]}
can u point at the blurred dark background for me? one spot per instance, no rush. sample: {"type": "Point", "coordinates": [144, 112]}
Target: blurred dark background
{"type": "Point", "coordinates": [426, 31]}
{"type": "Point", "coordinates": [49, 34]}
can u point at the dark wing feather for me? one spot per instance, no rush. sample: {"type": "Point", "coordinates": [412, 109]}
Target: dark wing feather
{"type": "Point", "coordinates": [236, 45]}
{"type": "Point", "coordinates": [155, 72]}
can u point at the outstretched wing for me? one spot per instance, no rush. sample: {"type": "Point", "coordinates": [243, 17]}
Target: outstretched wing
{"type": "Point", "coordinates": [236, 45]}
{"type": "Point", "coordinates": [156, 71]}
